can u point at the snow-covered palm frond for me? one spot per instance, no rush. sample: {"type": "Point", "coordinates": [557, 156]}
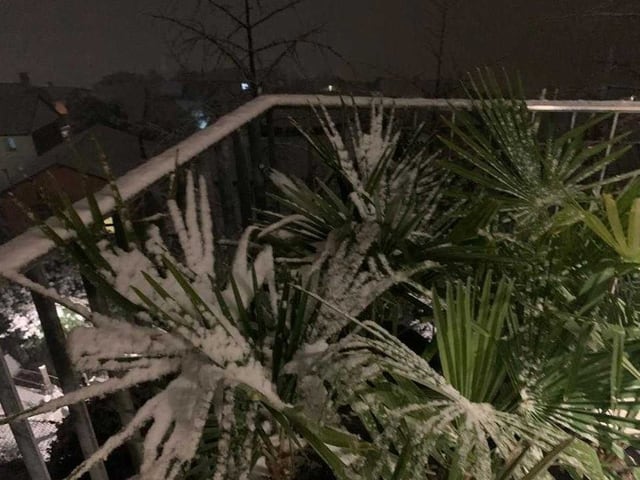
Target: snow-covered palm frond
{"type": "Point", "coordinates": [193, 230]}
{"type": "Point", "coordinates": [399, 189]}
{"type": "Point", "coordinates": [505, 392]}
{"type": "Point", "coordinates": [359, 239]}
{"type": "Point", "coordinates": [355, 276]}
{"type": "Point", "coordinates": [581, 382]}
{"type": "Point", "coordinates": [482, 343]}
{"type": "Point", "coordinates": [193, 334]}
{"type": "Point", "coordinates": [420, 412]}
{"type": "Point", "coordinates": [362, 156]}
{"type": "Point", "coordinates": [254, 366]}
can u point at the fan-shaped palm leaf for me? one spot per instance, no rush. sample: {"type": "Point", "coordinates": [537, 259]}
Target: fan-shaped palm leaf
{"type": "Point", "coordinates": [502, 151]}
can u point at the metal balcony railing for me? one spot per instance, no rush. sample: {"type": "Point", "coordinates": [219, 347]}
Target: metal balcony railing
{"type": "Point", "coordinates": [22, 251]}
{"type": "Point", "coordinates": [224, 139]}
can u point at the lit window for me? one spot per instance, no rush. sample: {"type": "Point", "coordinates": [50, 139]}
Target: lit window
{"type": "Point", "coordinates": [11, 144]}
{"type": "Point", "coordinates": [61, 108]}
{"type": "Point", "coordinates": [108, 225]}
{"type": "Point", "coordinates": [202, 121]}
{"type": "Point", "coordinates": [244, 86]}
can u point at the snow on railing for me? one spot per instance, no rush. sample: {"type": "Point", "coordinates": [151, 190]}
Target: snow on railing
{"type": "Point", "coordinates": [25, 249]}
{"type": "Point", "coordinates": [22, 252]}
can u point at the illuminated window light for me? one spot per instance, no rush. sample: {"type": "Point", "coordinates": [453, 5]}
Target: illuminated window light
{"type": "Point", "coordinates": [109, 226]}
{"type": "Point", "coordinates": [61, 108]}
{"type": "Point", "coordinates": [202, 121]}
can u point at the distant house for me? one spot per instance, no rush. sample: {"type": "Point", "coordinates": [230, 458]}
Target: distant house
{"type": "Point", "coordinates": [221, 85]}
{"type": "Point", "coordinates": [147, 105]}
{"type": "Point", "coordinates": [130, 95]}
{"type": "Point", "coordinates": [59, 95]}
{"type": "Point", "coordinates": [30, 125]}
{"type": "Point", "coordinates": [136, 94]}
{"type": "Point", "coordinates": [216, 92]}
{"type": "Point", "coordinates": [72, 167]}
{"type": "Point", "coordinates": [28, 120]}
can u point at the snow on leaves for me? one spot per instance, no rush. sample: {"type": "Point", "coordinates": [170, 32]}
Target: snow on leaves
{"type": "Point", "coordinates": [191, 330]}
{"type": "Point", "coordinates": [199, 343]}
{"type": "Point", "coordinates": [388, 186]}
{"type": "Point", "coordinates": [392, 194]}
{"type": "Point", "coordinates": [353, 280]}
{"type": "Point", "coordinates": [426, 417]}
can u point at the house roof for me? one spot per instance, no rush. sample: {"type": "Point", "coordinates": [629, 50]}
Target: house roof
{"type": "Point", "coordinates": [82, 152]}
{"type": "Point", "coordinates": [60, 92]}
{"type": "Point", "coordinates": [130, 96]}
{"type": "Point", "coordinates": [18, 107]}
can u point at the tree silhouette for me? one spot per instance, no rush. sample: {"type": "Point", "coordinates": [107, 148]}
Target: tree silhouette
{"type": "Point", "coordinates": [238, 34]}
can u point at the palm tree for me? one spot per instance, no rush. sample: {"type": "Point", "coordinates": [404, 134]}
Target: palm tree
{"type": "Point", "coordinates": [532, 368]}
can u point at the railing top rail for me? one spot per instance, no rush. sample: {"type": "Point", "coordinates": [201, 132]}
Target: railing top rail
{"type": "Point", "coordinates": [21, 251]}
{"type": "Point", "coordinates": [569, 106]}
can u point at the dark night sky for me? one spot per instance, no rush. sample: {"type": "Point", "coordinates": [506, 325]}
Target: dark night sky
{"type": "Point", "coordinates": [78, 41]}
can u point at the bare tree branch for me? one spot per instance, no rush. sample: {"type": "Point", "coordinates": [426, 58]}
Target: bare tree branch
{"type": "Point", "coordinates": [291, 50]}
{"type": "Point", "coordinates": [225, 40]}
{"type": "Point", "coordinates": [233, 46]}
{"type": "Point", "coordinates": [434, 51]}
{"type": "Point", "coordinates": [219, 43]}
{"type": "Point", "coordinates": [280, 42]}
{"type": "Point", "coordinates": [326, 48]}
{"type": "Point", "coordinates": [227, 11]}
{"type": "Point", "coordinates": [276, 11]}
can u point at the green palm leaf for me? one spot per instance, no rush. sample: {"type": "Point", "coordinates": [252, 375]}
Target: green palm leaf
{"type": "Point", "coordinates": [502, 151]}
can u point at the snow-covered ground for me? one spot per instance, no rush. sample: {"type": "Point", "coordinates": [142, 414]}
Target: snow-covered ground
{"type": "Point", "coordinates": [17, 306]}
{"type": "Point", "coordinates": [44, 426]}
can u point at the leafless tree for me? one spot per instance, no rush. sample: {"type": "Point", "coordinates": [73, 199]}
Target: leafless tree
{"type": "Point", "coordinates": [438, 36]}
{"type": "Point", "coordinates": [435, 35]}
{"type": "Point", "coordinates": [240, 33]}
{"type": "Point", "coordinates": [254, 37]}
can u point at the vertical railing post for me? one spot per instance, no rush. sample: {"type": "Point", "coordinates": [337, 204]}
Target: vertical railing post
{"type": "Point", "coordinates": [244, 179]}
{"type": "Point", "coordinates": [123, 403]}
{"type": "Point", "coordinates": [271, 139]}
{"type": "Point", "coordinates": [612, 134]}
{"type": "Point", "coordinates": [46, 380]}
{"type": "Point", "coordinates": [56, 343]}
{"type": "Point", "coordinates": [574, 117]}
{"type": "Point", "coordinates": [451, 133]}
{"type": "Point", "coordinates": [257, 163]}
{"type": "Point", "coordinates": [226, 173]}
{"type": "Point", "coordinates": [21, 430]}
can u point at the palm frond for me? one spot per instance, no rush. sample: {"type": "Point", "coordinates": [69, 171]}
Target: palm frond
{"type": "Point", "coordinates": [502, 151]}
